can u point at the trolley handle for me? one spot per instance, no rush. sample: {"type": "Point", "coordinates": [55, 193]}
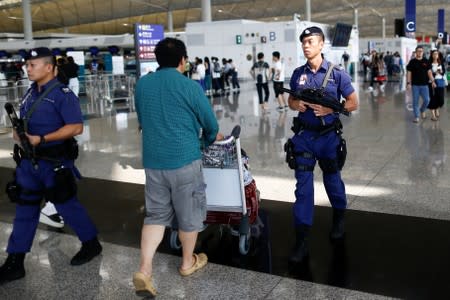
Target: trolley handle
{"type": "Point", "coordinates": [234, 135]}
{"type": "Point", "coordinates": [236, 131]}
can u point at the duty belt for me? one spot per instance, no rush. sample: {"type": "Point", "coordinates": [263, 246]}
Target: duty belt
{"type": "Point", "coordinates": [52, 152]}
{"type": "Point", "coordinates": [299, 125]}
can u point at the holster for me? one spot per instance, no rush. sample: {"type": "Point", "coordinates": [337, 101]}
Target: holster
{"type": "Point", "coordinates": [290, 154]}
{"type": "Point", "coordinates": [65, 186]}
{"type": "Point", "coordinates": [13, 191]}
{"type": "Point", "coordinates": [341, 153]}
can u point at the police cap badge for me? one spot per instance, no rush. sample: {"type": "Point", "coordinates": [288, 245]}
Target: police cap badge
{"type": "Point", "coordinates": [314, 30]}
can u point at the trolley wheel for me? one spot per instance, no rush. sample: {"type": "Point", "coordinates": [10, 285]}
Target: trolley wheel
{"type": "Point", "coordinates": [244, 244]}
{"type": "Point", "coordinates": [174, 240]}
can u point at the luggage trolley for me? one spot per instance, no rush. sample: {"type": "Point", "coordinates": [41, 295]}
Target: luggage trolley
{"type": "Point", "coordinates": [229, 200]}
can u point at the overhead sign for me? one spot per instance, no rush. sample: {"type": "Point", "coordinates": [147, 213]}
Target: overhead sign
{"type": "Point", "coordinates": [146, 36]}
{"type": "Point", "coordinates": [410, 15]}
{"type": "Point", "coordinates": [441, 23]}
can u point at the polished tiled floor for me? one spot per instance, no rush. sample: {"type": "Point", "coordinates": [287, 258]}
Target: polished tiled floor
{"type": "Point", "coordinates": [397, 241]}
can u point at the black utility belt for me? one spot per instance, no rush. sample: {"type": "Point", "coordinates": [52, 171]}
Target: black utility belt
{"type": "Point", "coordinates": [68, 150]}
{"type": "Point", "coordinates": [299, 125]}
{"type": "Point", "coordinates": [56, 151]}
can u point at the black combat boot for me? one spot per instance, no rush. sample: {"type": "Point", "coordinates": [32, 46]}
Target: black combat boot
{"type": "Point", "coordinates": [88, 251]}
{"type": "Point", "coordinates": [337, 231]}
{"type": "Point", "coordinates": [300, 251]}
{"type": "Point", "coordinates": [13, 268]}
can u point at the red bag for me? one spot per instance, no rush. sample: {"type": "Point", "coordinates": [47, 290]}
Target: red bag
{"type": "Point", "coordinates": [381, 78]}
{"type": "Point", "coordinates": [234, 218]}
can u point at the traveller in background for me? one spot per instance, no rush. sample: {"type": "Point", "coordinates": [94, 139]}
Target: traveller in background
{"type": "Point", "coordinates": [260, 73]}
{"type": "Point", "coordinates": [234, 75]}
{"type": "Point", "coordinates": [418, 76]}
{"type": "Point", "coordinates": [72, 73]}
{"type": "Point", "coordinates": [345, 59]}
{"type": "Point", "coordinates": [277, 72]}
{"type": "Point", "coordinates": [217, 84]}
{"type": "Point", "coordinates": [208, 76]}
{"type": "Point", "coordinates": [436, 93]}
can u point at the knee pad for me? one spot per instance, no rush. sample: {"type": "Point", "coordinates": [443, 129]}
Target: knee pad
{"type": "Point", "coordinates": [329, 166]}
{"type": "Point", "coordinates": [65, 186]}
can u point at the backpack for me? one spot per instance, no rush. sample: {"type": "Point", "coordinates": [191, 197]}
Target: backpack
{"type": "Point", "coordinates": [260, 72]}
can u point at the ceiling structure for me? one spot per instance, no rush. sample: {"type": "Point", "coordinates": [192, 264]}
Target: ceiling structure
{"type": "Point", "coordinates": [118, 16]}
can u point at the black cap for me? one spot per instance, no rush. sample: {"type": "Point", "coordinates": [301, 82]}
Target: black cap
{"type": "Point", "coordinates": [39, 52]}
{"type": "Point", "coordinates": [314, 30]}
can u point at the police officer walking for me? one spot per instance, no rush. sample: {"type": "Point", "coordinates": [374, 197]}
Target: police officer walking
{"type": "Point", "coordinates": [318, 138]}
{"type": "Point", "coordinates": [52, 117]}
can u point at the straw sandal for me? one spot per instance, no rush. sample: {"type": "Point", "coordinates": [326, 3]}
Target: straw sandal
{"type": "Point", "coordinates": [144, 285]}
{"type": "Point", "coordinates": [200, 261]}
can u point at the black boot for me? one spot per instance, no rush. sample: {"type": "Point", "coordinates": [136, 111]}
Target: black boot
{"type": "Point", "coordinates": [300, 251]}
{"type": "Point", "coordinates": [337, 231]}
{"type": "Point", "coordinates": [13, 268]}
{"type": "Point", "coordinates": [88, 251]}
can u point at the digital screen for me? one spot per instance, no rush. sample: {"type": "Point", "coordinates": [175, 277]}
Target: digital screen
{"type": "Point", "coordinates": [147, 66]}
{"type": "Point", "coordinates": [341, 35]}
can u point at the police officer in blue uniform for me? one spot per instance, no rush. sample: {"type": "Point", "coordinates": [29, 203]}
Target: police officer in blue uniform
{"type": "Point", "coordinates": [52, 117]}
{"type": "Point", "coordinates": [318, 139]}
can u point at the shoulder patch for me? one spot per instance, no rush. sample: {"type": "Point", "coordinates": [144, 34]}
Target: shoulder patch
{"type": "Point", "coordinates": [65, 89]}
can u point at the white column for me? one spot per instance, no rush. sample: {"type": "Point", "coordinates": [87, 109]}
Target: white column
{"type": "Point", "coordinates": [170, 21]}
{"type": "Point", "coordinates": [308, 10]}
{"type": "Point", "coordinates": [27, 26]}
{"type": "Point", "coordinates": [355, 15]}
{"type": "Point", "coordinates": [206, 10]}
{"type": "Point", "coordinates": [383, 27]}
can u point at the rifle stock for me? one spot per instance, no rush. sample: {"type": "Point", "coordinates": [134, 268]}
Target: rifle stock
{"type": "Point", "coordinates": [18, 126]}
{"type": "Point", "coordinates": [316, 96]}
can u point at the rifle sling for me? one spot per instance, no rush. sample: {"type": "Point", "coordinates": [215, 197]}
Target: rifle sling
{"type": "Point", "coordinates": [36, 102]}
{"type": "Point", "coordinates": [325, 80]}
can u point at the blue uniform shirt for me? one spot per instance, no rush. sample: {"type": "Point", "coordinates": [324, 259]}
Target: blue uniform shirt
{"type": "Point", "coordinates": [60, 107]}
{"type": "Point", "coordinates": [339, 85]}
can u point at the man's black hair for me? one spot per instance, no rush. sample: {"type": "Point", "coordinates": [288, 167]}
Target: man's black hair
{"type": "Point", "coordinates": [169, 52]}
{"type": "Point", "coordinates": [260, 55]}
{"type": "Point", "coordinates": [276, 54]}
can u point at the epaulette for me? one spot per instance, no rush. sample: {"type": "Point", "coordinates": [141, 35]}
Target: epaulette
{"type": "Point", "coordinates": [65, 89]}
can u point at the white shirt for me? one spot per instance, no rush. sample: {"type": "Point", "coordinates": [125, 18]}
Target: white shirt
{"type": "Point", "coordinates": [279, 71]}
{"type": "Point", "coordinates": [201, 70]}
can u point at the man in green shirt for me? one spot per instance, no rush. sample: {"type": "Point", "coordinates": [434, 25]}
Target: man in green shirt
{"type": "Point", "coordinates": [173, 112]}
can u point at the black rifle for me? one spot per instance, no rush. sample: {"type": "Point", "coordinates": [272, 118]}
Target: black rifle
{"type": "Point", "coordinates": [19, 127]}
{"type": "Point", "coordinates": [318, 96]}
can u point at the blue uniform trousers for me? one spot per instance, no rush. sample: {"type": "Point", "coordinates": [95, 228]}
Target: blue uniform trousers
{"type": "Point", "coordinates": [27, 216]}
{"type": "Point", "coordinates": [321, 147]}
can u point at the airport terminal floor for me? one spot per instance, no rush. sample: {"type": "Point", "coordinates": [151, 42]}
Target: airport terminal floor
{"type": "Point", "coordinates": [397, 241]}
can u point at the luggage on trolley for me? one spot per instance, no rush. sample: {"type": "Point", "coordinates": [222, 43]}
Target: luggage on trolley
{"type": "Point", "coordinates": [231, 194]}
